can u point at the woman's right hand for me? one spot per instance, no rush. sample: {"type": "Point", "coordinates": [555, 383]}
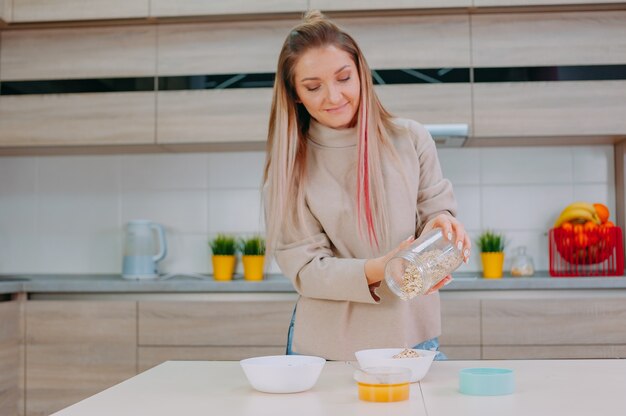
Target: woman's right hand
{"type": "Point", "coordinates": [375, 268]}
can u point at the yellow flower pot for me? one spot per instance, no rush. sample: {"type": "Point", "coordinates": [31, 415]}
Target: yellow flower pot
{"type": "Point", "coordinates": [493, 263]}
{"type": "Point", "coordinates": [253, 267]}
{"type": "Point", "coordinates": [223, 267]}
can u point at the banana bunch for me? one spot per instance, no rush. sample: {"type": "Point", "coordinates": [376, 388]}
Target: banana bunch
{"type": "Point", "coordinates": [578, 212]}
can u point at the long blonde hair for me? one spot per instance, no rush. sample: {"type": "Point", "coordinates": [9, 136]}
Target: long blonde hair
{"type": "Point", "coordinates": [284, 177]}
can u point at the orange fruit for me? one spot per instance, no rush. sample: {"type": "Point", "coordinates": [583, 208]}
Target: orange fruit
{"type": "Point", "coordinates": [590, 226]}
{"type": "Point", "coordinates": [567, 226]}
{"type": "Point", "coordinates": [602, 211]}
{"type": "Point", "coordinates": [608, 224]}
{"type": "Point", "coordinates": [578, 229]}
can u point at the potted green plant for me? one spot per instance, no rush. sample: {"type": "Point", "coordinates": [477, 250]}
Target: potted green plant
{"type": "Point", "coordinates": [491, 246]}
{"type": "Point", "coordinates": [253, 257]}
{"type": "Point", "coordinates": [223, 247]}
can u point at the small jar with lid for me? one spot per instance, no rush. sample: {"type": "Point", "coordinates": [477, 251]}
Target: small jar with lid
{"type": "Point", "coordinates": [522, 264]}
{"type": "Point", "coordinates": [426, 262]}
{"type": "Point", "coordinates": [383, 384]}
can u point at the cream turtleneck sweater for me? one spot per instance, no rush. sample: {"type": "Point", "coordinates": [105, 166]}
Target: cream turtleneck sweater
{"type": "Point", "coordinates": [336, 313]}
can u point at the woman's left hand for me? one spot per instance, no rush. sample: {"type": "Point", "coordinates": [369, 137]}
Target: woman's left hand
{"type": "Point", "coordinates": [452, 228]}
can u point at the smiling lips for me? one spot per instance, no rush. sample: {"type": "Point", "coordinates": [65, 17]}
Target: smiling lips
{"type": "Point", "coordinates": [337, 109]}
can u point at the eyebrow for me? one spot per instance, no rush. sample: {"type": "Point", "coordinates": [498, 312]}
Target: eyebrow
{"type": "Point", "coordinates": [315, 78]}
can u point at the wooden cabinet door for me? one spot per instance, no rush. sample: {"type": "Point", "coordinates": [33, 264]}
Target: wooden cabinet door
{"type": "Point", "coordinates": [213, 330]}
{"type": "Point", "coordinates": [76, 349]}
{"type": "Point", "coordinates": [212, 7]}
{"type": "Point", "coordinates": [460, 326]}
{"type": "Point", "coordinates": [11, 360]}
{"type": "Point", "coordinates": [46, 10]}
{"type": "Point", "coordinates": [563, 327]}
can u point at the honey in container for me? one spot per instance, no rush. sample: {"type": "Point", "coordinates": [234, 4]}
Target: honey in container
{"type": "Point", "coordinates": [383, 384]}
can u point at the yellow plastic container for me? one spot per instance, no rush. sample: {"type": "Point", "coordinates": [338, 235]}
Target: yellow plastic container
{"type": "Point", "coordinates": [253, 267]}
{"type": "Point", "coordinates": [383, 384]}
{"type": "Point", "coordinates": [223, 267]}
{"type": "Point", "coordinates": [493, 263]}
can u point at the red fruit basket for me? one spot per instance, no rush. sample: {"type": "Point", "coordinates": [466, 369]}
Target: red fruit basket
{"type": "Point", "coordinates": [590, 252]}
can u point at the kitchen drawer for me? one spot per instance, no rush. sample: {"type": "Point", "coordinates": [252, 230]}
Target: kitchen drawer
{"type": "Point", "coordinates": [214, 323]}
{"type": "Point", "coordinates": [152, 356]}
{"type": "Point", "coordinates": [577, 321]}
{"type": "Point", "coordinates": [460, 321]}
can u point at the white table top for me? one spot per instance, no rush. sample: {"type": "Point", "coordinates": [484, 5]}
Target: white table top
{"type": "Point", "coordinates": [543, 387]}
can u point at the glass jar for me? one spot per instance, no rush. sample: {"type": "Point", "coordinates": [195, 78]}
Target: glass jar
{"type": "Point", "coordinates": [426, 262]}
{"type": "Point", "coordinates": [522, 264]}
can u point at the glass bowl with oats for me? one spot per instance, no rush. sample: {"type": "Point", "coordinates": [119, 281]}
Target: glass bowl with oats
{"type": "Point", "coordinates": [426, 262]}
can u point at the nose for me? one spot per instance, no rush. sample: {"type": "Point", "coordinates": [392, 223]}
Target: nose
{"type": "Point", "coordinates": [334, 94]}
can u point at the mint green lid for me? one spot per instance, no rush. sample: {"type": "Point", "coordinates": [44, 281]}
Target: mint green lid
{"type": "Point", "coordinates": [486, 381]}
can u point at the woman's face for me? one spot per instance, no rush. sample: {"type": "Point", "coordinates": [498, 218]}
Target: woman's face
{"type": "Point", "coordinates": [327, 84]}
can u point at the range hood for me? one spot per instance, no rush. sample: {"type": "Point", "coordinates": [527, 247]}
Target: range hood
{"type": "Point", "coordinates": [448, 135]}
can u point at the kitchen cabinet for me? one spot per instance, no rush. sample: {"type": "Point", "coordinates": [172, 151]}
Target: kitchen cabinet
{"type": "Point", "coordinates": [164, 8]}
{"type": "Point", "coordinates": [235, 116]}
{"type": "Point", "coordinates": [6, 9]}
{"type": "Point", "coordinates": [330, 5]}
{"type": "Point", "coordinates": [78, 53]}
{"type": "Point", "coordinates": [76, 349]}
{"type": "Point", "coordinates": [460, 327]}
{"type": "Point", "coordinates": [230, 329]}
{"type": "Point", "coordinates": [505, 3]}
{"type": "Point", "coordinates": [548, 39]}
{"type": "Point", "coordinates": [11, 357]}
{"type": "Point", "coordinates": [221, 47]}
{"type": "Point", "coordinates": [544, 109]}
{"type": "Point", "coordinates": [567, 326]}
{"type": "Point", "coordinates": [45, 10]}
{"type": "Point", "coordinates": [77, 119]}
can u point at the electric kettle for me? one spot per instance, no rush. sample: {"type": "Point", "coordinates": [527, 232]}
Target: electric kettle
{"type": "Point", "coordinates": [140, 249]}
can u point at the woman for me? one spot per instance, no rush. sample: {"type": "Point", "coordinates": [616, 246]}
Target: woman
{"type": "Point", "coordinates": [346, 186]}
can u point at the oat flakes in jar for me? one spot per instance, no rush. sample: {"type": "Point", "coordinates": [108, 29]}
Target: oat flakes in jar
{"type": "Point", "coordinates": [426, 262]}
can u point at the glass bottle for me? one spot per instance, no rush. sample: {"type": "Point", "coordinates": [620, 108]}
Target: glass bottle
{"type": "Point", "coordinates": [522, 264]}
{"type": "Point", "coordinates": [426, 262]}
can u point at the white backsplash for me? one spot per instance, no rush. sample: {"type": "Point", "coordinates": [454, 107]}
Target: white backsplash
{"type": "Point", "coordinates": [66, 214]}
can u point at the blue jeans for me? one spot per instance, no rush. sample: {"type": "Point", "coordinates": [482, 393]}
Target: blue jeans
{"type": "Point", "coordinates": [431, 344]}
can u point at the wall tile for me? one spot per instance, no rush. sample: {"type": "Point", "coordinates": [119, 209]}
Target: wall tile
{"type": "Point", "coordinates": [164, 172]}
{"type": "Point", "coordinates": [593, 164]}
{"type": "Point", "coordinates": [526, 165]}
{"type": "Point", "coordinates": [17, 174]}
{"type": "Point", "coordinates": [536, 243]}
{"type": "Point", "coordinates": [601, 192]}
{"type": "Point", "coordinates": [81, 253]}
{"type": "Point", "coordinates": [177, 211]}
{"type": "Point", "coordinates": [236, 170]}
{"type": "Point", "coordinates": [84, 213]}
{"type": "Point", "coordinates": [19, 253]}
{"type": "Point", "coordinates": [18, 213]}
{"type": "Point", "coordinates": [79, 174]}
{"type": "Point", "coordinates": [461, 166]}
{"type": "Point", "coordinates": [187, 253]}
{"type": "Point", "coordinates": [235, 211]}
{"type": "Point", "coordinates": [468, 198]}
{"type": "Point", "coordinates": [523, 207]}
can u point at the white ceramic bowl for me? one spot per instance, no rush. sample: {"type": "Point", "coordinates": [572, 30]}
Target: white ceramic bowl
{"type": "Point", "coordinates": [283, 373]}
{"type": "Point", "coordinates": [382, 357]}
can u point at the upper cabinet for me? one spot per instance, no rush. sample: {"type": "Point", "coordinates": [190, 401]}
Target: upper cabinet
{"type": "Point", "coordinates": [59, 10]}
{"type": "Point", "coordinates": [212, 7]}
{"type": "Point", "coordinates": [504, 3]}
{"type": "Point", "coordinates": [5, 10]}
{"type": "Point", "coordinates": [553, 80]}
{"type": "Point", "coordinates": [329, 5]}
{"type": "Point", "coordinates": [80, 86]}
{"type": "Point", "coordinates": [221, 48]}
{"type": "Point", "coordinates": [538, 39]}
{"type": "Point", "coordinates": [103, 52]}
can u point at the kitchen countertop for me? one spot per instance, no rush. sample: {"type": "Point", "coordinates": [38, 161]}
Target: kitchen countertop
{"type": "Point", "coordinates": [275, 283]}
{"type": "Point", "coordinates": [542, 387]}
